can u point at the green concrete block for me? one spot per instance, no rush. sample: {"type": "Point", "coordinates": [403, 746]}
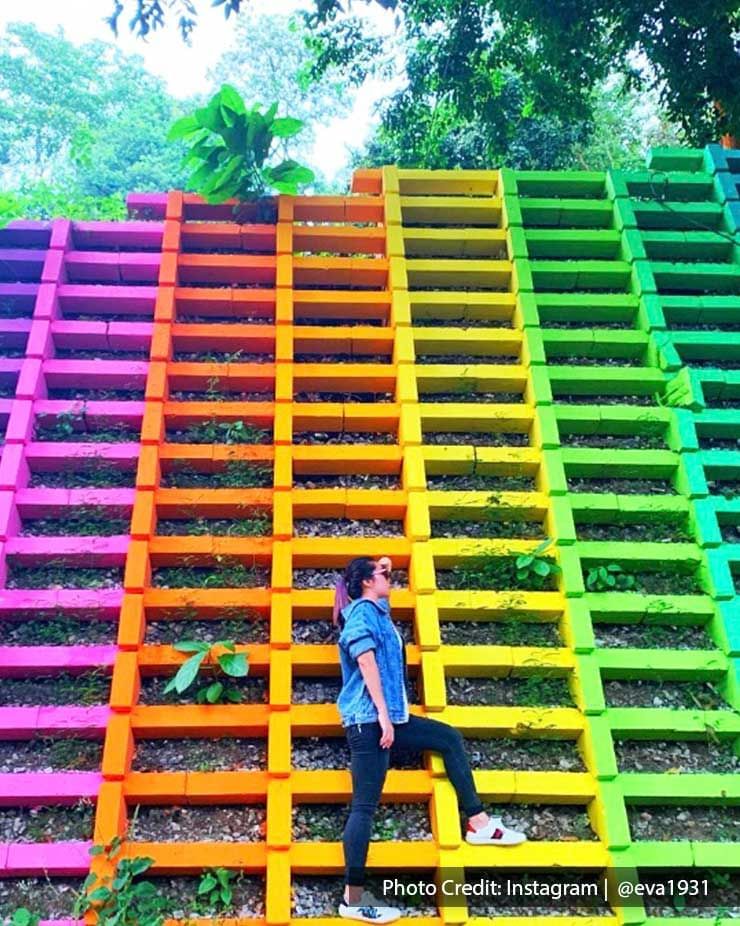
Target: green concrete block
{"type": "Point", "coordinates": [690, 479]}
{"type": "Point", "coordinates": [552, 474]}
{"type": "Point", "coordinates": [517, 243]}
{"type": "Point", "coordinates": [727, 622]}
{"type": "Point", "coordinates": [535, 347]}
{"type": "Point", "coordinates": [716, 854]}
{"type": "Point", "coordinates": [662, 854]}
{"type": "Point", "coordinates": [527, 310]}
{"type": "Point", "coordinates": [703, 521]}
{"type": "Point", "coordinates": [648, 723]}
{"type": "Point", "coordinates": [588, 689]}
{"type": "Point", "coordinates": [616, 185]}
{"type": "Point", "coordinates": [682, 431]}
{"type": "Point", "coordinates": [650, 315]}
{"type": "Point", "coordinates": [538, 386]}
{"type": "Point", "coordinates": [680, 665]}
{"type": "Point", "coordinates": [718, 576]}
{"type": "Point", "coordinates": [685, 159]}
{"type": "Point", "coordinates": [624, 217]}
{"type": "Point", "coordinates": [666, 788]}
{"type": "Point", "coordinates": [511, 212]}
{"type": "Point", "coordinates": [545, 433]}
{"type": "Point", "coordinates": [561, 520]}
{"type": "Point", "coordinates": [599, 736]}
{"type": "Point", "coordinates": [723, 723]}
{"type": "Point", "coordinates": [577, 629]}
{"type": "Point", "coordinates": [643, 280]}
{"type": "Point", "coordinates": [617, 834]}
{"type": "Point", "coordinates": [508, 183]}
{"type": "Point", "coordinates": [521, 279]}
{"type": "Point", "coordinates": [571, 577]}
{"type": "Point", "coordinates": [632, 245]}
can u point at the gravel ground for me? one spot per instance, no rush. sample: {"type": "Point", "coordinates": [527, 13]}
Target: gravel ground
{"type": "Point", "coordinates": [212, 823]}
{"type": "Point", "coordinates": [476, 438]}
{"type": "Point", "coordinates": [652, 636]}
{"type": "Point", "coordinates": [181, 892]}
{"type": "Point", "coordinates": [215, 576]}
{"type": "Point", "coordinates": [183, 319]}
{"type": "Point", "coordinates": [45, 754]}
{"type": "Point", "coordinates": [236, 477]}
{"type": "Point", "coordinates": [103, 395]}
{"type": "Point", "coordinates": [655, 531]}
{"type": "Point", "coordinates": [342, 358]}
{"type": "Point", "coordinates": [315, 896]}
{"type": "Point", "coordinates": [319, 438]}
{"type": "Point", "coordinates": [719, 443]}
{"type": "Point", "coordinates": [476, 398]}
{"type": "Point", "coordinates": [731, 534]}
{"type": "Point", "coordinates": [299, 321]}
{"type": "Point", "coordinates": [324, 578]}
{"type": "Point", "coordinates": [63, 576]}
{"type": "Point", "coordinates": [347, 481]}
{"type": "Point", "coordinates": [685, 695]}
{"type": "Point", "coordinates": [106, 477]}
{"type": "Point", "coordinates": [524, 755]}
{"type": "Point", "coordinates": [77, 523]}
{"type": "Point", "coordinates": [622, 486]}
{"type": "Point", "coordinates": [315, 690]}
{"type": "Point", "coordinates": [481, 483]}
{"type": "Point", "coordinates": [222, 754]}
{"type": "Point", "coordinates": [604, 399]}
{"type": "Point", "coordinates": [500, 633]}
{"type": "Point", "coordinates": [111, 435]}
{"type": "Point", "coordinates": [546, 907]}
{"type": "Point", "coordinates": [467, 359]}
{"type": "Point", "coordinates": [257, 526]}
{"type": "Point", "coordinates": [58, 632]}
{"type": "Point", "coordinates": [253, 689]}
{"type": "Point", "coordinates": [667, 583]}
{"type": "Point", "coordinates": [462, 323]}
{"type": "Point", "coordinates": [47, 824]}
{"type": "Point", "coordinates": [546, 822]}
{"type": "Point", "coordinates": [241, 631]}
{"type": "Point", "coordinates": [487, 528]}
{"type": "Point", "coordinates": [716, 824]}
{"type": "Point", "coordinates": [487, 579]}
{"type": "Point", "coordinates": [314, 752]}
{"type": "Point", "coordinates": [184, 395]}
{"type": "Point", "coordinates": [53, 898]}
{"type": "Point", "coordinates": [215, 356]}
{"type": "Point", "coordinates": [713, 364]}
{"type": "Point", "coordinates": [314, 631]}
{"type": "Point", "coordinates": [373, 397]}
{"type": "Point", "coordinates": [191, 435]}
{"type": "Point", "coordinates": [392, 822]}
{"type": "Point", "coordinates": [509, 692]}
{"type": "Point", "coordinates": [613, 441]}
{"type": "Point", "coordinates": [85, 689]}
{"type": "Point", "coordinates": [676, 756]}
{"type": "Point", "coordinates": [595, 361]}
{"type": "Point", "coordinates": [346, 527]}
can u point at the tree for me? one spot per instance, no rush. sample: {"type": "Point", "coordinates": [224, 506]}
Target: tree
{"type": "Point", "coordinates": [149, 15]}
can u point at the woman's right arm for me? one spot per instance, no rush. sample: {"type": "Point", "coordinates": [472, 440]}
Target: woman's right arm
{"type": "Point", "coordinates": [371, 675]}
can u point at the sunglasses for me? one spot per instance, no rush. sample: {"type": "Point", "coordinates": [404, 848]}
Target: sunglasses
{"type": "Point", "coordinates": [383, 572]}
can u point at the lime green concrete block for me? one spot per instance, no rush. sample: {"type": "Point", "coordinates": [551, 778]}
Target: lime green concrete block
{"type": "Point", "coordinates": [597, 748]}
{"type": "Point", "coordinates": [667, 788]}
{"type": "Point", "coordinates": [588, 690]}
{"type": "Point", "coordinates": [571, 577]}
{"type": "Point", "coordinates": [612, 824]}
{"type": "Point", "coordinates": [578, 633]}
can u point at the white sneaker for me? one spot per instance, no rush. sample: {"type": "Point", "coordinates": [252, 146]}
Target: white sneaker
{"type": "Point", "coordinates": [369, 910]}
{"type": "Point", "coordinates": [494, 833]}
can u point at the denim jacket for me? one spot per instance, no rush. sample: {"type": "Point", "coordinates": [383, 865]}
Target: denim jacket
{"type": "Point", "coordinates": [367, 626]}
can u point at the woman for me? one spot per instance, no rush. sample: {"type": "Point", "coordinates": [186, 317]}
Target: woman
{"type": "Point", "coordinates": [375, 714]}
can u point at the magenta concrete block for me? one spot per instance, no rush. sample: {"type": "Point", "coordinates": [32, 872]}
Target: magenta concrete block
{"type": "Point", "coordinates": [129, 335]}
{"type": "Point", "coordinates": [102, 412]}
{"type": "Point", "coordinates": [25, 233]}
{"type": "Point", "coordinates": [61, 234]}
{"type": "Point", "coordinates": [51, 455]}
{"type": "Point", "coordinates": [19, 295]}
{"type": "Point", "coordinates": [30, 380]}
{"type": "Point", "coordinates": [37, 788]}
{"type": "Point", "coordinates": [86, 551]}
{"type": "Point", "coordinates": [53, 719]}
{"type": "Point", "coordinates": [3, 565]}
{"type": "Point", "coordinates": [61, 922]}
{"type": "Point", "coordinates": [20, 422]}
{"type": "Point", "coordinates": [24, 264]}
{"type": "Point", "coordinates": [38, 503]}
{"type": "Point", "coordinates": [10, 522]}
{"type": "Point", "coordinates": [108, 374]}
{"type": "Point", "coordinates": [9, 369]}
{"type": "Point", "coordinates": [101, 267]}
{"type": "Point", "coordinates": [6, 406]}
{"type": "Point", "coordinates": [48, 858]}
{"type": "Point", "coordinates": [110, 300]}
{"type": "Point", "coordinates": [19, 661]}
{"type": "Point", "coordinates": [83, 603]}
{"type": "Point", "coordinates": [53, 271]}
{"type": "Point", "coordinates": [14, 470]}
{"type": "Point", "coordinates": [141, 267]}
{"type": "Point", "coordinates": [118, 501]}
{"type": "Point", "coordinates": [14, 332]}
{"type": "Point", "coordinates": [70, 334]}
{"type": "Point", "coordinates": [18, 723]}
{"type": "Point", "coordinates": [47, 304]}
{"type": "Point", "coordinates": [88, 236]}
{"type": "Point", "coordinates": [39, 339]}
{"type": "Point", "coordinates": [4, 847]}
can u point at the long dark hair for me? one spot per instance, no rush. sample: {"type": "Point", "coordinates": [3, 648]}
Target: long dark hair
{"type": "Point", "coordinates": [349, 585]}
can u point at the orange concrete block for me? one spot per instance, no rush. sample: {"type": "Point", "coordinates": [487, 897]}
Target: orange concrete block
{"type": "Point", "coordinates": [137, 573]}
{"type": "Point", "coordinates": [282, 566]}
{"type": "Point", "coordinates": [284, 240]}
{"type": "Point", "coordinates": [284, 344]}
{"type": "Point", "coordinates": [161, 346]}
{"type": "Point", "coordinates": [156, 382]}
{"type": "Point", "coordinates": [126, 682]}
{"type": "Point", "coordinates": [182, 858]}
{"type": "Point", "coordinates": [207, 720]}
{"type": "Point", "coordinates": [155, 787]}
{"type": "Point", "coordinates": [164, 306]}
{"type": "Point", "coordinates": [281, 679]}
{"type": "Point", "coordinates": [132, 622]}
{"type": "Point", "coordinates": [286, 208]}
{"type": "Point", "coordinates": [282, 519]}
{"type": "Point", "coordinates": [168, 269]}
{"type": "Point", "coordinates": [152, 425]}
{"type": "Point", "coordinates": [226, 787]}
{"type": "Point", "coordinates": [284, 378]}
{"type": "Point", "coordinates": [118, 747]}
{"type": "Point", "coordinates": [175, 205]}
{"type": "Point", "coordinates": [110, 812]}
{"type": "Point", "coordinates": [147, 471]}
{"type": "Point", "coordinates": [279, 806]}
{"type": "Point", "coordinates": [284, 272]}
{"type": "Point", "coordinates": [143, 522]}
{"type": "Point", "coordinates": [283, 468]}
{"type": "Point", "coordinates": [281, 621]}
{"type": "Point", "coordinates": [171, 236]}
{"type": "Point", "coordinates": [283, 306]}
{"type": "Point", "coordinates": [279, 744]}
{"type": "Point", "coordinates": [277, 889]}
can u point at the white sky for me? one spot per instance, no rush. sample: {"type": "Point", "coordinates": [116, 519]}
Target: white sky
{"type": "Point", "coordinates": [184, 67]}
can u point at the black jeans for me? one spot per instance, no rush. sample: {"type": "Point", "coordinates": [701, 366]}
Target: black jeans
{"type": "Point", "coordinates": [369, 765]}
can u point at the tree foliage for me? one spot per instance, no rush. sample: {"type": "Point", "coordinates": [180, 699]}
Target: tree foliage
{"type": "Point", "coordinates": [149, 15]}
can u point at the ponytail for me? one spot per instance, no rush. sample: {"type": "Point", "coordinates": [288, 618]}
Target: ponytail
{"type": "Point", "coordinates": [348, 586]}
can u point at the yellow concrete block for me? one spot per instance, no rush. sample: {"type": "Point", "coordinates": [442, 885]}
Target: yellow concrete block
{"type": "Point", "coordinates": [282, 516]}
{"type": "Point", "coordinates": [421, 569]}
{"type": "Point", "coordinates": [279, 806]}
{"type": "Point", "coordinates": [433, 681]}
{"type": "Point", "coordinates": [282, 566]}
{"type": "Point", "coordinates": [284, 271]}
{"type": "Point", "coordinates": [283, 425]}
{"type": "Point", "coordinates": [390, 183]}
{"type": "Point", "coordinates": [278, 744]}
{"type": "Point", "coordinates": [527, 660]}
{"type": "Point", "coordinates": [277, 888]}
{"type": "Point", "coordinates": [393, 234]}
{"type": "Point", "coordinates": [281, 679]}
{"type": "Point", "coordinates": [403, 347]}
{"type": "Point", "coordinates": [477, 661]}
{"type": "Point", "coordinates": [528, 855]}
{"type": "Point", "coordinates": [426, 624]}
{"type": "Point", "coordinates": [406, 384]}
{"type": "Point", "coordinates": [409, 426]}
{"type": "Point", "coordinates": [417, 525]}
{"type": "Point", "coordinates": [551, 787]}
{"type": "Point", "coordinates": [565, 722]}
{"type": "Point", "coordinates": [413, 470]}
{"type": "Point", "coordinates": [284, 306]}
{"type": "Point", "coordinates": [400, 315]}
{"type": "Point", "coordinates": [284, 383]}
{"type": "Point", "coordinates": [397, 276]}
{"type": "Point", "coordinates": [283, 468]}
{"type": "Point", "coordinates": [444, 814]}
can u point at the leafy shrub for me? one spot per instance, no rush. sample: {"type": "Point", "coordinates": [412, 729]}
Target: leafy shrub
{"type": "Point", "coordinates": [229, 148]}
{"type": "Point", "coordinates": [215, 893]}
{"type": "Point", "coordinates": [531, 567]}
{"type": "Point", "coordinates": [21, 917]}
{"type": "Point", "coordinates": [609, 578]}
{"type": "Point", "coordinates": [230, 663]}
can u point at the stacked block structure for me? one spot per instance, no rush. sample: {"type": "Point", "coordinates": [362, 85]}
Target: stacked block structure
{"type": "Point", "coordinates": [203, 422]}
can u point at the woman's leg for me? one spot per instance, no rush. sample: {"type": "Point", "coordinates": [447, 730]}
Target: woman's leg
{"type": "Point", "coordinates": [369, 767]}
{"type": "Point", "coordinates": [423, 733]}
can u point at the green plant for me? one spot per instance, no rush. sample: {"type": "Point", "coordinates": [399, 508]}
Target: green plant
{"type": "Point", "coordinates": [21, 917]}
{"type": "Point", "coordinates": [121, 900]}
{"type": "Point", "coordinates": [229, 147]}
{"type": "Point", "coordinates": [231, 663]}
{"type": "Point", "coordinates": [215, 893]}
{"type": "Point", "coordinates": [532, 566]}
{"type": "Point", "coordinates": [609, 578]}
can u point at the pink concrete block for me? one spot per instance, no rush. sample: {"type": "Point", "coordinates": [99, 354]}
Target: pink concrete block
{"type": "Point", "coordinates": [53, 719]}
{"type": "Point", "coordinates": [3, 565]}
{"type": "Point", "coordinates": [47, 304]}
{"type": "Point", "coordinates": [39, 339]}
{"type": "Point", "coordinates": [99, 413]}
{"type": "Point", "coordinates": [129, 335]}
{"type": "Point", "coordinates": [91, 235]}
{"type": "Point", "coordinates": [87, 551]}
{"type": "Point", "coordinates": [52, 455]}
{"type": "Point", "coordinates": [61, 234]}
{"type": "Point", "coordinates": [141, 267]}
{"type": "Point", "coordinates": [10, 367]}
{"type": "Point", "coordinates": [14, 470]}
{"type": "Point", "coordinates": [30, 380]}
{"type": "Point", "coordinates": [113, 300]}
{"type": "Point", "coordinates": [19, 661]}
{"type": "Point", "coordinates": [6, 406]}
{"type": "Point", "coordinates": [118, 501]}
{"type": "Point", "coordinates": [53, 271]}
{"type": "Point", "coordinates": [24, 264]}
{"type": "Point", "coordinates": [106, 374]}
{"type": "Point", "coordinates": [18, 722]}
{"type": "Point", "coordinates": [102, 603]}
{"type": "Point", "coordinates": [52, 858]}
{"type": "Point", "coordinates": [10, 522]}
{"type": "Point", "coordinates": [92, 267]}
{"type": "Point", "coordinates": [74, 333]}
{"type": "Point", "coordinates": [15, 601]}
{"type": "Point", "coordinates": [38, 503]}
{"type": "Point", "coordinates": [31, 789]}
{"type": "Point", "coordinates": [20, 422]}
{"type": "Point", "coordinates": [14, 332]}
{"type": "Point", "coordinates": [4, 848]}
{"type": "Point", "coordinates": [24, 233]}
